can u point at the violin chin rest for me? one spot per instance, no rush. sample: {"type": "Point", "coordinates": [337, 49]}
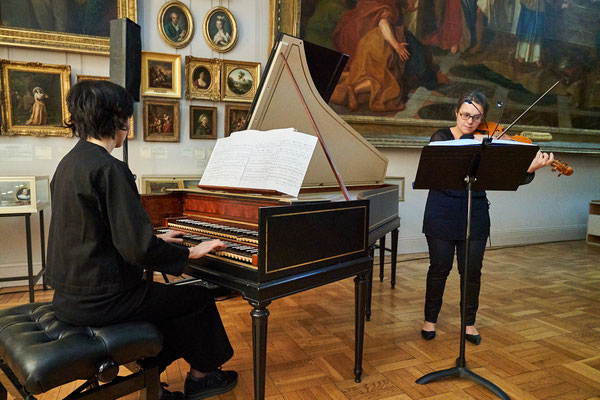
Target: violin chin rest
{"type": "Point", "coordinates": [537, 136]}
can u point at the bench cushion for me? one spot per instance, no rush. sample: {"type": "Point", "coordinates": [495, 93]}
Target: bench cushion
{"type": "Point", "coordinates": [44, 352]}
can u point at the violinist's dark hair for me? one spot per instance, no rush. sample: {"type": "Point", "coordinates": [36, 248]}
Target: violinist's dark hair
{"type": "Point", "coordinates": [98, 109]}
{"type": "Point", "coordinates": [475, 96]}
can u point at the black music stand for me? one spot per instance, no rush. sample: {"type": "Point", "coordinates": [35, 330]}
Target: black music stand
{"type": "Point", "coordinates": [474, 167]}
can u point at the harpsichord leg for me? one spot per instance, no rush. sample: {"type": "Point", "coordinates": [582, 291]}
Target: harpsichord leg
{"type": "Point", "coordinates": [394, 256]}
{"type": "Point", "coordinates": [381, 257]}
{"type": "Point", "coordinates": [260, 316]}
{"type": "Point", "coordinates": [360, 305]}
{"type": "Point", "coordinates": [370, 285]}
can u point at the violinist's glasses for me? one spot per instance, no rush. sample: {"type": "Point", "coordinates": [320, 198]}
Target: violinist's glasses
{"type": "Point", "coordinates": [465, 116]}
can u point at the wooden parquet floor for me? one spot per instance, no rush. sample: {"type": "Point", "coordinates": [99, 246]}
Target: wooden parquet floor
{"type": "Point", "coordinates": [539, 319]}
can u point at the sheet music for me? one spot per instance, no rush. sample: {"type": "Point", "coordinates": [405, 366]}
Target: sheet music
{"type": "Point", "coordinates": [472, 142]}
{"type": "Point", "coordinates": [274, 160]}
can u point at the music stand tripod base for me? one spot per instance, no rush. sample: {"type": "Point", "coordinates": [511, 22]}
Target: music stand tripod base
{"type": "Point", "coordinates": [462, 372]}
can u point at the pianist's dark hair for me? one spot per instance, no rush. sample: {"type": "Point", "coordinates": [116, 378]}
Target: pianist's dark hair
{"type": "Point", "coordinates": [476, 97]}
{"type": "Point", "coordinates": [98, 109]}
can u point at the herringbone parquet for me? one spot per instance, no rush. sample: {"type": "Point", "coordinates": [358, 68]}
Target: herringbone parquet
{"type": "Point", "coordinates": [539, 318]}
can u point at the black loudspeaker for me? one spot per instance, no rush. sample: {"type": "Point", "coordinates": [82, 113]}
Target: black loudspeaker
{"type": "Point", "coordinates": [126, 55]}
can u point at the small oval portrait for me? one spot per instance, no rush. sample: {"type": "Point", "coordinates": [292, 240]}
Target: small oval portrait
{"type": "Point", "coordinates": [175, 24]}
{"type": "Point", "coordinates": [23, 195]}
{"type": "Point", "coordinates": [220, 29]}
{"type": "Point", "coordinates": [239, 81]}
{"type": "Point", "coordinates": [201, 78]}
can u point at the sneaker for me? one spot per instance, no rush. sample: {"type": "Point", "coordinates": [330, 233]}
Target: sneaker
{"type": "Point", "coordinates": [215, 382]}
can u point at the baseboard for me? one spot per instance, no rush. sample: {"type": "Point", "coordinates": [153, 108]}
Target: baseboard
{"type": "Point", "coordinates": [418, 244]}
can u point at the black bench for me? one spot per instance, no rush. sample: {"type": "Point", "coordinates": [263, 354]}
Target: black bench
{"type": "Point", "coordinates": [39, 352]}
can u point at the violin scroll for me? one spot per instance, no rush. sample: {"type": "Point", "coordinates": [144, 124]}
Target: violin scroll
{"type": "Point", "coordinates": [562, 167]}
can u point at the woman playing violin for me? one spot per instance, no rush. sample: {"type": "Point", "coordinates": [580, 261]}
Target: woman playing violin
{"type": "Point", "coordinates": [444, 223]}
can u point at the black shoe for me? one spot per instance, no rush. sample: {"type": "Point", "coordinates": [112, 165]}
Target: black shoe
{"type": "Point", "coordinates": [475, 339]}
{"type": "Point", "coordinates": [168, 395]}
{"type": "Point", "coordinates": [215, 382]}
{"type": "Point", "coordinates": [427, 335]}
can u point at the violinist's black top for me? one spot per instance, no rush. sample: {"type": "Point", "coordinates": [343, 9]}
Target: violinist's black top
{"type": "Point", "coordinates": [446, 210]}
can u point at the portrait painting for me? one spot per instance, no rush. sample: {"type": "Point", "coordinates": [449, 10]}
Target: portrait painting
{"type": "Point", "coordinates": [220, 29]}
{"type": "Point", "coordinates": [161, 75]}
{"type": "Point", "coordinates": [240, 80]}
{"type": "Point", "coordinates": [79, 78]}
{"type": "Point", "coordinates": [407, 70]}
{"type": "Point", "coordinates": [235, 118]}
{"type": "Point", "coordinates": [34, 98]}
{"type": "Point", "coordinates": [175, 24]}
{"type": "Point", "coordinates": [80, 26]}
{"type": "Point", "coordinates": [202, 78]}
{"type": "Point", "coordinates": [203, 122]}
{"type": "Point", "coordinates": [161, 121]}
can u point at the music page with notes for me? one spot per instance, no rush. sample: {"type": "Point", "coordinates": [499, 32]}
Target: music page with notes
{"type": "Point", "coordinates": [266, 160]}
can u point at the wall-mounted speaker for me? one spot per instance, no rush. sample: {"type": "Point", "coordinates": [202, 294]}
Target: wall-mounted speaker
{"type": "Point", "coordinates": [126, 55]}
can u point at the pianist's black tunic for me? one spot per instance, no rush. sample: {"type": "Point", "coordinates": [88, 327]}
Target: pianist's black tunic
{"type": "Point", "coordinates": [101, 240]}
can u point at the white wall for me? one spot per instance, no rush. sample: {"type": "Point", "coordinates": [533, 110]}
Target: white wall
{"type": "Point", "coordinates": [548, 209]}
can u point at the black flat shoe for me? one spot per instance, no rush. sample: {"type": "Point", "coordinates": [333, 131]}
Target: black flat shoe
{"type": "Point", "coordinates": [427, 335]}
{"type": "Point", "coordinates": [475, 339]}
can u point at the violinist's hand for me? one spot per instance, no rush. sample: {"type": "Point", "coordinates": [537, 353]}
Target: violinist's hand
{"type": "Point", "coordinates": [171, 236]}
{"type": "Point", "coordinates": [541, 160]}
{"type": "Point", "coordinates": [202, 249]}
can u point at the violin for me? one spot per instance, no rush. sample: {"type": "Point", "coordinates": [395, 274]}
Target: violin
{"type": "Point", "coordinates": [494, 130]}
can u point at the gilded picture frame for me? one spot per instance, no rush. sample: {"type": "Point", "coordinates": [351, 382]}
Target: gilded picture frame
{"type": "Point", "coordinates": [175, 24]}
{"type": "Point", "coordinates": [161, 75]}
{"type": "Point", "coordinates": [566, 120]}
{"type": "Point", "coordinates": [79, 78]}
{"type": "Point", "coordinates": [20, 27]}
{"type": "Point", "coordinates": [203, 122]}
{"type": "Point", "coordinates": [202, 78]}
{"type": "Point", "coordinates": [236, 116]}
{"type": "Point", "coordinates": [240, 79]}
{"type": "Point", "coordinates": [161, 121]}
{"type": "Point", "coordinates": [34, 98]}
{"type": "Point", "coordinates": [220, 29]}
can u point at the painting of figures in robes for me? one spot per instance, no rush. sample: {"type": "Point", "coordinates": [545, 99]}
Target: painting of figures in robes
{"type": "Point", "coordinates": [412, 59]}
{"type": "Point", "coordinates": [75, 25]}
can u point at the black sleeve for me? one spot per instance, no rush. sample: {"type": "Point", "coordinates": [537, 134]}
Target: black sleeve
{"type": "Point", "coordinates": [439, 136]}
{"type": "Point", "coordinates": [528, 178]}
{"type": "Point", "coordinates": [131, 229]}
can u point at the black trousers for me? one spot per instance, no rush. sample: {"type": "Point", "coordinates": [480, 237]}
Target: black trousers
{"type": "Point", "coordinates": [441, 258]}
{"type": "Point", "coordinates": [190, 323]}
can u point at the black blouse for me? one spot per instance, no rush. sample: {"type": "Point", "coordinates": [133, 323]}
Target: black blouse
{"type": "Point", "coordinates": [101, 238]}
{"type": "Point", "coordinates": [446, 210]}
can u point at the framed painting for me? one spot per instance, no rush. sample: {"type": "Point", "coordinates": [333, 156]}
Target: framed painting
{"type": "Point", "coordinates": [74, 26]}
{"type": "Point", "coordinates": [220, 29]}
{"type": "Point", "coordinates": [507, 50]}
{"type": "Point", "coordinates": [157, 185]}
{"type": "Point", "coordinates": [34, 98]}
{"type": "Point", "coordinates": [236, 116]}
{"type": "Point", "coordinates": [161, 75]}
{"type": "Point", "coordinates": [203, 122]}
{"type": "Point", "coordinates": [79, 78]}
{"type": "Point", "coordinates": [161, 121]}
{"type": "Point", "coordinates": [175, 24]}
{"type": "Point", "coordinates": [202, 78]}
{"type": "Point", "coordinates": [239, 80]}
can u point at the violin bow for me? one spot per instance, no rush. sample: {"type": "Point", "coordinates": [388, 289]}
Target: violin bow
{"type": "Point", "coordinates": [529, 108]}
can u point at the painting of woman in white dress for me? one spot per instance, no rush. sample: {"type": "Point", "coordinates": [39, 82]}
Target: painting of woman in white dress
{"type": "Point", "coordinates": [220, 29]}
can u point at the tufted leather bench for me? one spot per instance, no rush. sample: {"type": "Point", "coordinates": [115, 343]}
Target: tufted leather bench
{"type": "Point", "coordinates": [39, 352]}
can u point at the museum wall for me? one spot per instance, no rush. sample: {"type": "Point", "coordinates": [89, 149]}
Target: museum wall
{"type": "Point", "coordinates": [548, 209]}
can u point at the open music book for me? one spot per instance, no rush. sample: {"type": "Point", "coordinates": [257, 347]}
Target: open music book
{"type": "Point", "coordinates": [274, 160]}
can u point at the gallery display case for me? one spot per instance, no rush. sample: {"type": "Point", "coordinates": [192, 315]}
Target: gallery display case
{"type": "Point", "coordinates": [24, 194]}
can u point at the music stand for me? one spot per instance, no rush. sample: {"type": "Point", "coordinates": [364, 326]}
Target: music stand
{"type": "Point", "coordinates": [476, 167]}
